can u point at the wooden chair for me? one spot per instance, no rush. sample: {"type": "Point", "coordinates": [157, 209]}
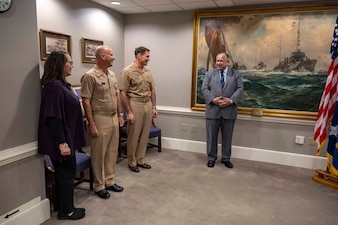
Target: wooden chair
{"type": "Point", "coordinates": [83, 162]}
{"type": "Point", "coordinates": [50, 183]}
{"type": "Point", "coordinates": [155, 132]}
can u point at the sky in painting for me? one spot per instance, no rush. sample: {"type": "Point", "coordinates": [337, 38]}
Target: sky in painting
{"type": "Point", "coordinates": [271, 37]}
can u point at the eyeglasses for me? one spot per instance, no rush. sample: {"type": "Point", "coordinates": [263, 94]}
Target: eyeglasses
{"type": "Point", "coordinates": [71, 62]}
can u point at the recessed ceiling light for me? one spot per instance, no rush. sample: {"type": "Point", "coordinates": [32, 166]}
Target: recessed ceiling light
{"type": "Point", "coordinates": [115, 3]}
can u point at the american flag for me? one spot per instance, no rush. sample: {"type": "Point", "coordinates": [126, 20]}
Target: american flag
{"type": "Point", "coordinates": [329, 97]}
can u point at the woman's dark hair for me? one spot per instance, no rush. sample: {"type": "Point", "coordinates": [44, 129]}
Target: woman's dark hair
{"type": "Point", "coordinates": [54, 66]}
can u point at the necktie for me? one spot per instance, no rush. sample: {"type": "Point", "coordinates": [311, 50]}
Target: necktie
{"type": "Point", "coordinates": [222, 79]}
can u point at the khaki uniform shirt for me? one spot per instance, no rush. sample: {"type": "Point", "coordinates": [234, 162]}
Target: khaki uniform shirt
{"type": "Point", "coordinates": [101, 90]}
{"type": "Point", "coordinates": [136, 84]}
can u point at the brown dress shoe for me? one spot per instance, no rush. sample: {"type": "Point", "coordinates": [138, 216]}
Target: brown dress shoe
{"type": "Point", "coordinates": [134, 169]}
{"type": "Point", "coordinates": [144, 166]}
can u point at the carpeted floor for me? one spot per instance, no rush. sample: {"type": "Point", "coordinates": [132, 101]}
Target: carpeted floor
{"type": "Point", "coordinates": [181, 190]}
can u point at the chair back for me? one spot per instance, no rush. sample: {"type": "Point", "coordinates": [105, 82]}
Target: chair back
{"type": "Point", "coordinates": [154, 132]}
{"type": "Point", "coordinates": [48, 163]}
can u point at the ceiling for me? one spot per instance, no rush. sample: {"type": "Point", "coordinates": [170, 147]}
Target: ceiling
{"type": "Point", "coordinates": [151, 6]}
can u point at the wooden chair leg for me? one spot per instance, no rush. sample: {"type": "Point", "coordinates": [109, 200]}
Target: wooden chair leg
{"type": "Point", "coordinates": [91, 179]}
{"type": "Point", "coordinates": [51, 195]}
{"type": "Point", "coordinates": [55, 200]}
{"type": "Point", "coordinates": [159, 144]}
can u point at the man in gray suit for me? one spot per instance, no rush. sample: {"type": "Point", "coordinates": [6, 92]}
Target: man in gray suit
{"type": "Point", "coordinates": [222, 89]}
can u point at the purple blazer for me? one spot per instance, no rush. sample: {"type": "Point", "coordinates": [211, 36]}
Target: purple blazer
{"type": "Point", "coordinates": [59, 101]}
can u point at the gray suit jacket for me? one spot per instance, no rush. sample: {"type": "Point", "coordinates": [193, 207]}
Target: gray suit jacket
{"type": "Point", "coordinates": [211, 88]}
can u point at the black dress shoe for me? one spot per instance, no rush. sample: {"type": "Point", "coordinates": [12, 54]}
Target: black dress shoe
{"type": "Point", "coordinates": [76, 215]}
{"type": "Point", "coordinates": [228, 164]}
{"type": "Point", "coordinates": [103, 194]}
{"type": "Point", "coordinates": [211, 163]}
{"type": "Point", "coordinates": [115, 188]}
{"type": "Point", "coordinates": [81, 209]}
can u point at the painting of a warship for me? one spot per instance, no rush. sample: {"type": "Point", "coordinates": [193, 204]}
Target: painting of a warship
{"type": "Point", "coordinates": [278, 62]}
{"type": "Point", "coordinates": [298, 61]}
{"type": "Point", "coordinates": [260, 66]}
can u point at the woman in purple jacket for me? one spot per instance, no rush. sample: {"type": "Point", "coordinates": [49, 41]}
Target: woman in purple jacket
{"type": "Point", "coordinates": [61, 129]}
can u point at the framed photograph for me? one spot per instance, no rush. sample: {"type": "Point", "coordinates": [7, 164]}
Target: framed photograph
{"type": "Point", "coordinates": [51, 41]}
{"type": "Point", "coordinates": [282, 53]}
{"type": "Point", "coordinates": [88, 49]}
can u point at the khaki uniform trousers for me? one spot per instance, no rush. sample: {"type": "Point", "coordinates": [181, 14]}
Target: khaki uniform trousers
{"type": "Point", "coordinates": [104, 150]}
{"type": "Point", "coordinates": [138, 132]}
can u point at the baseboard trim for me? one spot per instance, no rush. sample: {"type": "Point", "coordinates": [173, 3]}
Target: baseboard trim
{"type": "Point", "coordinates": [33, 212]}
{"type": "Point", "coordinates": [254, 154]}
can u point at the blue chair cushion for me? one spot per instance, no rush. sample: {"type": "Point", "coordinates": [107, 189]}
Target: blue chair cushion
{"type": "Point", "coordinates": [82, 161]}
{"type": "Point", "coordinates": [154, 132]}
{"type": "Point", "coordinates": [123, 131]}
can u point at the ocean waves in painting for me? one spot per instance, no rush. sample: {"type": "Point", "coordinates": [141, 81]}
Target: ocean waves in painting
{"type": "Point", "coordinates": [299, 91]}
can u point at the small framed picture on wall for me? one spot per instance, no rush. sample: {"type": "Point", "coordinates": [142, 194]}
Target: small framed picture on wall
{"type": "Point", "coordinates": [53, 41]}
{"type": "Point", "coordinates": [88, 49]}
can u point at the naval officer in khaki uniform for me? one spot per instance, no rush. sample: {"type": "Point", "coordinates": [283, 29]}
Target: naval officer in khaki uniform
{"type": "Point", "coordinates": [101, 101]}
{"type": "Point", "coordinates": [137, 91]}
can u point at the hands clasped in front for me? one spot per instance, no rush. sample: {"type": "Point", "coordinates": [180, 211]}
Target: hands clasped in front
{"type": "Point", "coordinates": [222, 102]}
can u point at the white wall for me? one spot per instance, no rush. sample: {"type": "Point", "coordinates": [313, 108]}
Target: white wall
{"type": "Point", "coordinates": [19, 75]}
{"type": "Point", "coordinates": [20, 100]}
{"type": "Point", "coordinates": [20, 84]}
{"type": "Point", "coordinates": [86, 19]}
{"type": "Point", "coordinates": [169, 36]}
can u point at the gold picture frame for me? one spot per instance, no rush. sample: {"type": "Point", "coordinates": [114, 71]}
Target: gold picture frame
{"type": "Point", "coordinates": [88, 49]}
{"type": "Point", "coordinates": [264, 39]}
{"type": "Point", "coordinates": [51, 41]}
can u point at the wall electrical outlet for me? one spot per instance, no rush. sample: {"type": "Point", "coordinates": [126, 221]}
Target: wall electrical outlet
{"type": "Point", "coordinates": [300, 140]}
{"type": "Point", "coordinates": [184, 126]}
{"type": "Point", "coordinates": [193, 128]}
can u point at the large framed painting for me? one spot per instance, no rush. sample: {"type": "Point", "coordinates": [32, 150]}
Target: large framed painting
{"type": "Point", "coordinates": [53, 41]}
{"type": "Point", "coordinates": [282, 53]}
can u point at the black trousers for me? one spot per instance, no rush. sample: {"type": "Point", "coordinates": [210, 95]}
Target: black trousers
{"type": "Point", "coordinates": [64, 183]}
